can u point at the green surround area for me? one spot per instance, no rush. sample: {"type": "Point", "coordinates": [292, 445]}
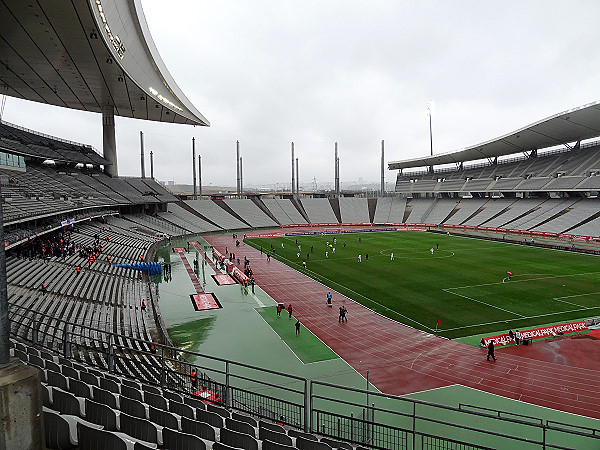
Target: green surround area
{"type": "Point", "coordinates": [464, 283]}
{"type": "Point", "coordinates": [306, 345]}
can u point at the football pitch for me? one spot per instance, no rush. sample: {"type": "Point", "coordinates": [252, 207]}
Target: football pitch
{"type": "Point", "coordinates": [464, 283]}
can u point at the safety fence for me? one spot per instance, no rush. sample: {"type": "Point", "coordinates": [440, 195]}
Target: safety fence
{"type": "Point", "coordinates": [363, 417]}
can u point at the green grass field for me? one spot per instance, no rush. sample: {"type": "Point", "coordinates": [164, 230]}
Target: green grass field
{"type": "Point", "coordinates": [464, 283]}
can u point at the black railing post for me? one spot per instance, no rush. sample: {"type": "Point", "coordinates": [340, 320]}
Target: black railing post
{"type": "Point", "coordinates": [310, 409]}
{"type": "Point", "coordinates": [34, 330]}
{"type": "Point", "coordinates": [163, 367]}
{"type": "Point", "coordinates": [111, 354]}
{"type": "Point", "coordinates": [227, 393]}
{"type": "Point", "coordinates": [67, 343]}
{"type": "Point", "coordinates": [306, 403]}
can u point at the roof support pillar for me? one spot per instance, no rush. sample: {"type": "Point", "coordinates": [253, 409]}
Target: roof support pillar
{"type": "Point", "coordinates": [109, 141]}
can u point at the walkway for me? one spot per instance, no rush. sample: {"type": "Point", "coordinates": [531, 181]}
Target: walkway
{"type": "Point", "coordinates": [404, 360]}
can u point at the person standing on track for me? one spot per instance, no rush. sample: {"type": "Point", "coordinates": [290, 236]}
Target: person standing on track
{"type": "Point", "coordinates": [290, 311]}
{"type": "Point", "coordinates": [491, 350]}
{"type": "Point", "coordinates": [297, 327]}
{"type": "Point", "coordinates": [517, 337]}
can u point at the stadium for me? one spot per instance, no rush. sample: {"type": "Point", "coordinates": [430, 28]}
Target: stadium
{"type": "Point", "coordinates": [132, 318]}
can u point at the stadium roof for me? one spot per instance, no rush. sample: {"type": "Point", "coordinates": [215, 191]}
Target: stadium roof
{"type": "Point", "coordinates": [86, 55]}
{"type": "Point", "coordinates": [574, 125]}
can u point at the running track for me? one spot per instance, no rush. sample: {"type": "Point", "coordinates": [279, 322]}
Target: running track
{"type": "Point", "coordinates": [404, 360]}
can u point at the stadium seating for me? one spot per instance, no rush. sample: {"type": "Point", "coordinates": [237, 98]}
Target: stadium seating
{"type": "Point", "coordinates": [354, 210]}
{"type": "Point", "coordinates": [284, 211]}
{"type": "Point", "coordinates": [319, 210]}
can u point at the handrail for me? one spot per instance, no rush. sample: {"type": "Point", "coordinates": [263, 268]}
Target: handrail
{"type": "Point", "coordinates": [270, 406]}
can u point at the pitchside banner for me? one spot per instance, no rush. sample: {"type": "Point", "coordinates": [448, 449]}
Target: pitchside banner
{"type": "Point", "coordinates": [537, 333]}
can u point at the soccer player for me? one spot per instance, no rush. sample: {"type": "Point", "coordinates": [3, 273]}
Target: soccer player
{"type": "Point", "coordinates": [282, 245]}
{"type": "Point", "coordinates": [359, 258]}
{"type": "Point", "coordinates": [326, 254]}
{"type": "Point", "coordinates": [431, 250]}
{"type": "Point", "coordinates": [332, 249]}
{"type": "Point", "coordinates": [392, 256]}
{"type": "Point", "coordinates": [304, 264]}
{"type": "Point", "coordinates": [298, 255]}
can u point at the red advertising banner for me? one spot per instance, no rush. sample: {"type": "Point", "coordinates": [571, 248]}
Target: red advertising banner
{"type": "Point", "coordinates": [202, 302]}
{"type": "Point", "coordinates": [538, 333]}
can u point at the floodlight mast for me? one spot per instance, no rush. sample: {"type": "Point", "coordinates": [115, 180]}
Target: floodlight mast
{"type": "Point", "coordinates": [194, 165]}
{"type": "Point", "coordinates": [429, 105]}
{"type": "Point", "coordinates": [142, 154]}
{"type": "Point", "coordinates": [293, 179]}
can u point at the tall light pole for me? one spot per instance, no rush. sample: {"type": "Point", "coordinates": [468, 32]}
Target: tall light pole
{"type": "Point", "coordinates": [429, 108]}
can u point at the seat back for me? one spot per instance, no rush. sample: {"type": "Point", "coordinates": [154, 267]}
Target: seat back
{"type": "Point", "coordinates": [239, 440]}
{"type": "Point", "coordinates": [274, 436]}
{"type": "Point", "coordinates": [270, 445]}
{"type": "Point", "coordinates": [110, 385]}
{"type": "Point", "coordinates": [209, 417]}
{"type": "Point", "coordinates": [56, 379]}
{"type": "Point", "coordinates": [65, 402]}
{"type": "Point", "coordinates": [164, 418]}
{"type": "Point", "coordinates": [130, 392]}
{"type": "Point", "coordinates": [244, 418]}
{"type": "Point", "coordinates": [93, 439]}
{"type": "Point", "coordinates": [175, 440]}
{"type": "Point", "coordinates": [133, 407]}
{"type": "Point", "coordinates": [240, 427]}
{"type": "Point", "coordinates": [79, 388]}
{"type": "Point", "coordinates": [138, 428]}
{"type": "Point", "coordinates": [182, 409]}
{"type": "Point", "coordinates": [57, 431]}
{"type": "Point", "coordinates": [89, 378]}
{"type": "Point", "coordinates": [271, 426]}
{"type": "Point", "coordinates": [155, 400]}
{"type": "Point", "coordinates": [309, 444]}
{"type": "Point", "coordinates": [105, 397]}
{"type": "Point", "coordinates": [201, 429]}
{"type": "Point", "coordinates": [101, 415]}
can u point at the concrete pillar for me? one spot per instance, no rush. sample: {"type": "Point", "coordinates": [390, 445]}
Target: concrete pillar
{"type": "Point", "coordinates": [109, 141]}
{"type": "Point", "coordinates": [21, 407]}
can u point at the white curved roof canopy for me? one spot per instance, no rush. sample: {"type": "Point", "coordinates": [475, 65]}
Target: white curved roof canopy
{"type": "Point", "coordinates": [87, 55]}
{"type": "Point", "coordinates": [574, 125]}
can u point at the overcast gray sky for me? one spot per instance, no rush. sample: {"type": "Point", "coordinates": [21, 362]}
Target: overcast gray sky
{"type": "Point", "coordinates": [270, 72]}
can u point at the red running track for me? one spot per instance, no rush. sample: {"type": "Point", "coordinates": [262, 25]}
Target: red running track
{"type": "Point", "coordinates": [190, 271]}
{"type": "Point", "coordinates": [404, 360]}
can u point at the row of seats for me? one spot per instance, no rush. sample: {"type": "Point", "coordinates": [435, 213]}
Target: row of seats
{"type": "Point", "coordinates": [78, 400]}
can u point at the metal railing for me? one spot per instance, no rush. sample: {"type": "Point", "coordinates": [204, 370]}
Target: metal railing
{"type": "Point", "coordinates": [359, 416]}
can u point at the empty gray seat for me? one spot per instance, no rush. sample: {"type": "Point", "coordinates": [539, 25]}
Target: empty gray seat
{"type": "Point", "coordinates": [194, 402]}
{"type": "Point", "coordinates": [337, 444]}
{"type": "Point", "coordinates": [58, 432]}
{"type": "Point", "coordinates": [201, 429]}
{"type": "Point", "coordinates": [110, 385]}
{"type": "Point", "coordinates": [139, 428]}
{"type": "Point", "coordinates": [182, 409]}
{"type": "Point", "coordinates": [46, 401]}
{"type": "Point", "coordinates": [131, 392]}
{"type": "Point", "coordinates": [239, 440]}
{"type": "Point", "coordinates": [151, 389]}
{"type": "Point", "coordinates": [271, 426]}
{"type": "Point", "coordinates": [65, 402]}
{"type": "Point", "coordinates": [217, 409]}
{"type": "Point", "coordinates": [89, 378]}
{"type": "Point", "coordinates": [56, 379]}
{"type": "Point", "coordinates": [155, 400]}
{"type": "Point", "coordinates": [296, 433]}
{"type": "Point", "coordinates": [274, 436]}
{"type": "Point", "coordinates": [174, 440]}
{"type": "Point", "coordinates": [21, 355]}
{"type": "Point", "coordinates": [79, 388]}
{"type": "Point", "coordinates": [133, 407]}
{"type": "Point", "coordinates": [310, 444]}
{"type": "Point", "coordinates": [164, 418]}
{"type": "Point", "coordinates": [209, 417]}
{"type": "Point", "coordinates": [221, 446]}
{"type": "Point", "coordinates": [68, 371]}
{"type": "Point", "coordinates": [132, 383]}
{"type": "Point", "coordinates": [173, 396]}
{"type": "Point", "coordinates": [105, 397]}
{"type": "Point", "coordinates": [101, 415]}
{"type": "Point", "coordinates": [51, 365]}
{"type": "Point", "coordinates": [270, 445]}
{"type": "Point", "coordinates": [244, 418]}
{"type": "Point", "coordinates": [93, 439]}
{"type": "Point", "coordinates": [240, 427]}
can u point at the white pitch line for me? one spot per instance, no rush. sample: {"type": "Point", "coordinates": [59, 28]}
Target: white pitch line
{"type": "Point", "coordinates": [483, 303]}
